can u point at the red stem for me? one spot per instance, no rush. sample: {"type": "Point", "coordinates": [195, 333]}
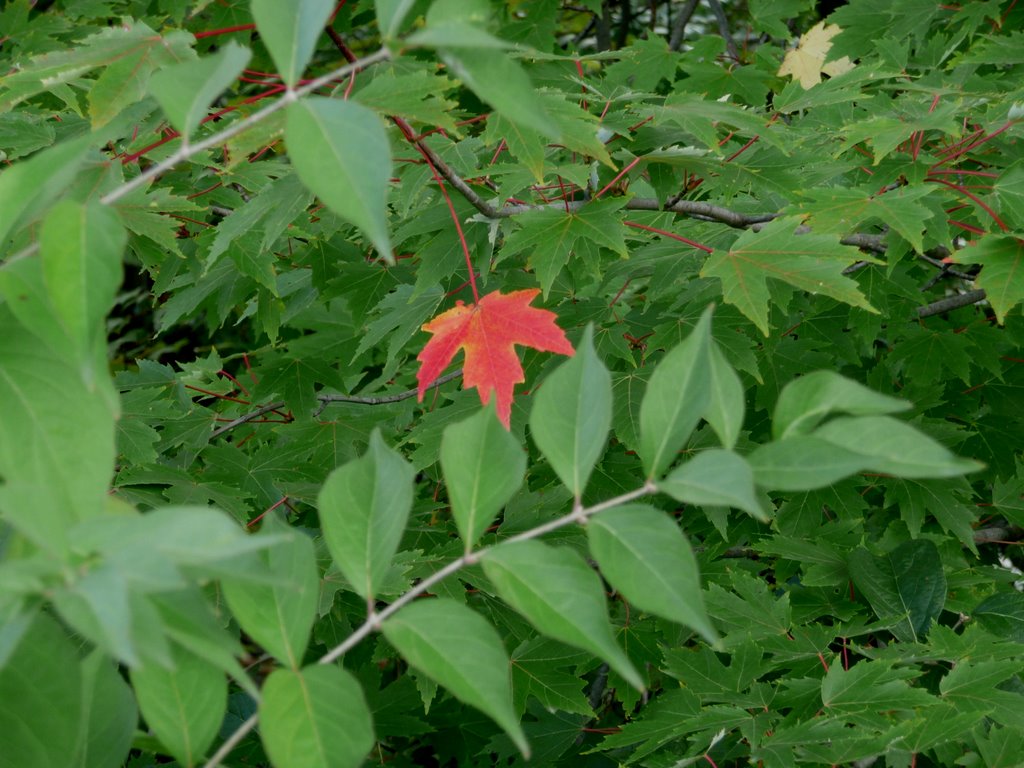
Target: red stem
{"type": "Point", "coordinates": [673, 235]}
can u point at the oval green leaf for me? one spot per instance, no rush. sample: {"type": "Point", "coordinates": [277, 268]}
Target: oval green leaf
{"type": "Point", "coordinates": [726, 408]}
{"type": "Point", "coordinates": [572, 413]}
{"type": "Point", "coordinates": [557, 592]}
{"type": "Point", "coordinates": [341, 152]}
{"type": "Point", "coordinates": [459, 649]}
{"type": "Point", "coordinates": [677, 397]}
{"type": "Point", "coordinates": [364, 506]}
{"type": "Point", "coordinates": [802, 464]}
{"type": "Point", "coordinates": [315, 717]}
{"type": "Point", "coordinates": [715, 477]}
{"type": "Point", "coordinates": [290, 31]}
{"type": "Point", "coordinates": [644, 555]}
{"type": "Point", "coordinates": [483, 467]}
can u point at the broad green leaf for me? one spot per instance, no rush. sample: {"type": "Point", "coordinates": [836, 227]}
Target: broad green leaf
{"type": "Point", "coordinates": [1009, 191]}
{"type": "Point", "coordinates": [459, 649]}
{"type": "Point", "coordinates": [81, 248]}
{"type": "Point", "coordinates": [726, 407]}
{"type": "Point", "coordinates": [28, 186]}
{"type": "Point", "coordinates": [646, 557]}
{"type": "Point", "coordinates": [279, 614]}
{"type": "Point", "coordinates": [341, 152]}
{"type": "Point", "coordinates": [1002, 269]}
{"type": "Point", "coordinates": [483, 467]}
{"type": "Point", "coordinates": [112, 714]}
{"type": "Point", "coordinates": [572, 413]}
{"type": "Point", "coordinates": [677, 397]}
{"type": "Point", "coordinates": [870, 686]}
{"type": "Point", "coordinates": [907, 585]}
{"type": "Point", "coordinates": [391, 14]}
{"type": "Point", "coordinates": [41, 699]}
{"type": "Point", "coordinates": [809, 262]}
{"type": "Point", "coordinates": [183, 706]}
{"type": "Point", "coordinates": [98, 606]}
{"type": "Point", "coordinates": [290, 31]}
{"type": "Point", "coordinates": [802, 464]}
{"type": "Point", "coordinates": [364, 506]}
{"type": "Point", "coordinates": [315, 717]}
{"type": "Point", "coordinates": [986, 688]}
{"type": "Point", "coordinates": [50, 421]}
{"type": "Point", "coordinates": [555, 589]}
{"type": "Point", "coordinates": [185, 91]}
{"type": "Point", "coordinates": [893, 447]}
{"type": "Point", "coordinates": [1002, 614]}
{"type": "Point", "coordinates": [715, 477]}
{"type": "Point", "coordinates": [804, 402]}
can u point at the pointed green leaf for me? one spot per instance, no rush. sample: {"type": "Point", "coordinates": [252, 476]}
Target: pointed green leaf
{"type": "Point", "coordinates": [804, 402]}
{"type": "Point", "coordinates": [555, 589]}
{"type": "Point", "coordinates": [112, 715]}
{"type": "Point", "coordinates": [391, 14]}
{"type": "Point", "coordinates": [809, 262]}
{"type": "Point", "coordinates": [183, 706]}
{"type": "Point", "coordinates": [81, 248]}
{"type": "Point", "coordinates": [315, 717]}
{"type": "Point", "coordinates": [677, 396]}
{"type": "Point", "coordinates": [290, 31]}
{"type": "Point", "coordinates": [715, 477]}
{"type": "Point", "coordinates": [483, 467]}
{"type": "Point", "coordinates": [726, 409]}
{"type": "Point", "coordinates": [1002, 614]}
{"type": "Point", "coordinates": [644, 555]}
{"type": "Point", "coordinates": [802, 464]}
{"type": "Point", "coordinates": [363, 507]}
{"type": "Point", "coordinates": [871, 686]}
{"type": "Point", "coordinates": [571, 415]}
{"type": "Point", "coordinates": [427, 632]}
{"type": "Point", "coordinates": [279, 614]}
{"type": "Point", "coordinates": [1002, 269]}
{"type": "Point", "coordinates": [341, 152]}
{"type": "Point", "coordinates": [40, 698]}
{"type": "Point", "coordinates": [893, 447]}
{"type": "Point", "coordinates": [185, 91]}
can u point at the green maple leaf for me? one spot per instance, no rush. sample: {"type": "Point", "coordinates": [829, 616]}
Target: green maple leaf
{"type": "Point", "coordinates": [553, 234]}
{"type": "Point", "coordinates": [810, 262]}
{"type": "Point", "coordinates": [1002, 274]}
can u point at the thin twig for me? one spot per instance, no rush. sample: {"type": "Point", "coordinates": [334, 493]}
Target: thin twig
{"type": "Point", "coordinates": [723, 29]}
{"type": "Point", "coordinates": [950, 303]}
{"type": "Point", "coordinates": [675, 42]}
{"type": "Point", "coordinates": [376, 619]}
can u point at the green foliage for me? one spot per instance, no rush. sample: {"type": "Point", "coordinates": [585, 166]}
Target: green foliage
{"type": "Point", "coordinates": [767, 513]}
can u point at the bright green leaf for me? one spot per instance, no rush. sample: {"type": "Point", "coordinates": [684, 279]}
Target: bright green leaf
{"type": "Point", "coordinates": [112, 714]}
{"type": "Point", "coordinates": [290, 31]}
{"type": "Point", "coordinates": [1002, 269]}
{"type": "Point", "coordinates": [804, 402]}
{"type": "Point", "coordinates": [802, 464]}
{"type": "Point", "coordinates": [726, 407]}
{"type": "Point", "coordinates": [715, 477]}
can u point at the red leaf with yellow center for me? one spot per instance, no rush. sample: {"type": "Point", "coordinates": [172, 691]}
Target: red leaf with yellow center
{"type": "Point", "coordinates": [487, 332]}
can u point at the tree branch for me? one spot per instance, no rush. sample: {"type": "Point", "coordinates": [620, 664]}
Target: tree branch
{"type": "Point", "coordinates": [723, 29]}
{"type": "Point", "coordinates": [950, 303]}
{"type": "Point", "coordinates": [675, 42]}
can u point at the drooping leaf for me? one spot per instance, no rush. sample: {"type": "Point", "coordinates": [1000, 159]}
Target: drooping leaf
{"type": "Point", "coordinates": [726, 408]}
{"type": "Point", "coordinates": [290, 32]}
{"type": "Point", "coordinates": [112, 715]}
{"type": "Point", "coordinates": [555, 589]}
{"type": "Point", "coordinates": [715, 477]}
{"type": "Point", "coordinates": [483, 466]}
{"type": "Point", "coordinates": [644, 555]}
{"type": "Point", "coordinates": [677, 396]}
{"type": "Point", "coordinates": [487, 332]}
{"type": "Point", "coordinates": [802, 464]}
{"type": "Point", "coordinates": [427, 632]}
{"type": "Point", "coordinates": [1002, 269]}
{"type": "Point", "coordinates": [809, 262]}
{"type": "Point", "coordinates": [341, 152]}
{"type": "Point", "coordinates": [806, 63]}
{"type": "Point", "coordinates": [363, 506]}
{"type": "Point", "coordinates": [572, 413]}
{"type": "Point", "coordinates": [804, 402]}
{"type": "Point", "coordinates": [315, 717]}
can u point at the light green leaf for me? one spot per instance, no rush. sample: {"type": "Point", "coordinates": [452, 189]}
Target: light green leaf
{"type": "Point", "coordinates": [279, 614]}
{"type": "Point", "coordinates": [802, 464]}
{"type": "Point", "coordinates": [391, 14]}
{"type": "Point", "coordinates": [555, 589]}
{"type": "Point", "coordinates": [894, 447]}
{"type": "Point", "coordinates": [677, 397]}
{"type": "Point", "coordinates": [364, 505]}
{"type": "Point", "coordinates": [81, 248]}
{"type": "Point", "coordinates": [1002, 269]}
{"type": "Point", "coordinates": [726, 408]}
{"type": "Point", "coordinates": [483, 467]}
{"type": "Point", "coordinates": [644, 555]}
{"type": "Point", "coordinates": [341, 152]}
{"type": "Point", "coordinates": [290, 31]}
{"type": "Point", "coordinates": [112, 714]}
{"type": "Point", "coordinates": [459, 649]}
{"type": "Point", "coordinates": [185, 91]}
{"type": "Point", "coordinates": [809, 262]}
{"type": "Point", "coordinates": [41, 699]}
{"type": "Point", "coordinates": [715, 477]}
{"type": "Point", "coordinates": [315, 717]}
{"type": "Point", "coordinates": [572, 413]}
{"type": "Point", "coordinates": [183, 706]}
{"type": "Point", "coordinates": [804, 402]}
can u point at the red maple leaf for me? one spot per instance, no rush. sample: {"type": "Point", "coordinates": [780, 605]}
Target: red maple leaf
{"type": "Point", "coordinates": [487, 332]}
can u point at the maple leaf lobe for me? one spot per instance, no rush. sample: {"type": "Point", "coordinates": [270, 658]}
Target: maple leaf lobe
{"type": "Point", "coordinates": [487, 332]}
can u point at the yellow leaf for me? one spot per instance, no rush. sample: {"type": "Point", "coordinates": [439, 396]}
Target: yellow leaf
{"type": "Point", "coordinates": [806, 62]}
